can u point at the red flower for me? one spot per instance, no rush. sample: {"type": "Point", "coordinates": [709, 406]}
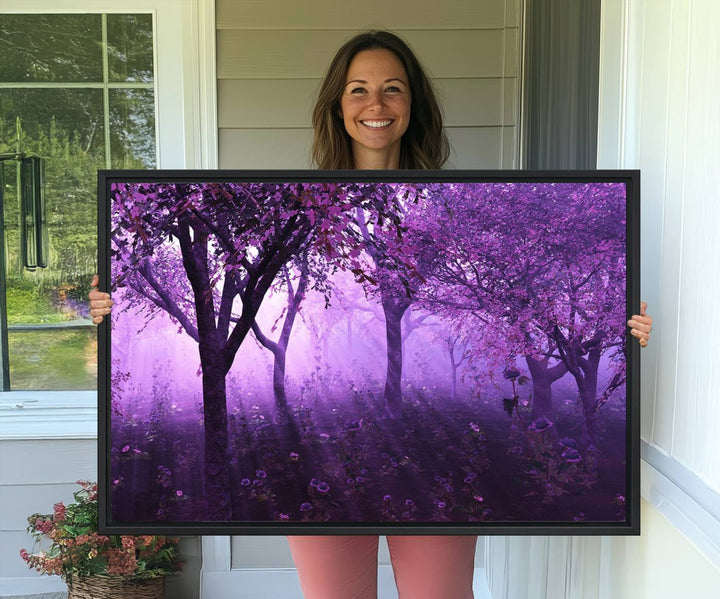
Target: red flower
{"type": "Point", "coordinates": [59, 512]}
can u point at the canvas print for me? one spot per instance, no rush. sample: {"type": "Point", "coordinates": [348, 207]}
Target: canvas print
{"type": "Point", "coordinates": [318, 353]}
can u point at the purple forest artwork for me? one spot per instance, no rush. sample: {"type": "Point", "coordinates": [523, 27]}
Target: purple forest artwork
{"type": "Point", "coordinates": [367, 352]}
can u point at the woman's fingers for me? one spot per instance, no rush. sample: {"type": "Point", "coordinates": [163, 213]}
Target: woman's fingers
{"type": "Point", "coordinates": [641, 325]}
{"type": "Point", "coordinates": [100, 302]}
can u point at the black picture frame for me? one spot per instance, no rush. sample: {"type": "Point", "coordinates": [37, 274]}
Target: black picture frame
{"type": "Point", "coordinates": [626, 520]}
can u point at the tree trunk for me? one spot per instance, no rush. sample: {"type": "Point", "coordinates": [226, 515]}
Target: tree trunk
{"type": "Point", "coordinates": [217, 467]}
{"type": "Point", "coordinates": [453, 379]}
{"type": "Point", "coordinates": [542, 380]}
{"type": "Point", "coordinates": [588, 396]}
{"type": "Point", "coordinates": [393, 331]}
{"type": "Point", "coordinates": [279, 384]}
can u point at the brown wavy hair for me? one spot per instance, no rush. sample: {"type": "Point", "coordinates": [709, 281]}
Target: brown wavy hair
{"type": "Point", "coordinates": [423, 146]}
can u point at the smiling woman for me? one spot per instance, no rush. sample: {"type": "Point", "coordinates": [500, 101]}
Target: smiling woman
{"type": "Point", "coordinates": [373, 78]}
{"type": "Point", "coordinates": [375, 108]}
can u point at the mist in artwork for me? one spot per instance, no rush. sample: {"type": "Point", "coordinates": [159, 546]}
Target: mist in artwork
{"type": "Point", "coordinates": [368, 352]}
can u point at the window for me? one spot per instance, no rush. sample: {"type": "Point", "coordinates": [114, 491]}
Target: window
{"type": "Point", "coordinates": [78, 91]}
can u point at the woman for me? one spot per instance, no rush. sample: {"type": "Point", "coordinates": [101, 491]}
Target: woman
{"type": "Point", "coordinates": [376, 110]}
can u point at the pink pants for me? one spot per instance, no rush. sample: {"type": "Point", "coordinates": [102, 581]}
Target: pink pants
{"type": "Point", "coordinates": [345, 567]}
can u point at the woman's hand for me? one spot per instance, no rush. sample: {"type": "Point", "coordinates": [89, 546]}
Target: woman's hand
{"type": "Point", "coordinates": [641, 325]}
{"type": "Point", "coordinates": [100, 302]}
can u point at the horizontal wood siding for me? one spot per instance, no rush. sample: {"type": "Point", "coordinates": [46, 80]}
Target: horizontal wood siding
{"type": "Point", "coordinates": [396, 15]}
{"type": "Point", "coordinates": [34, 476]}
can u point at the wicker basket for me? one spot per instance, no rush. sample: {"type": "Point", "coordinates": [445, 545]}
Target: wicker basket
{"type": "Point", "coordinates": [116, 587]}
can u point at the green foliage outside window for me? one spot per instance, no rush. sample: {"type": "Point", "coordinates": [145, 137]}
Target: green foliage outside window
{"type": "Point", "coordinates": [65, 86]}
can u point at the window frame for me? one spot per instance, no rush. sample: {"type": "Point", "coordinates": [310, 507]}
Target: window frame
{"type": "Point", "coordinates": [186, 137]}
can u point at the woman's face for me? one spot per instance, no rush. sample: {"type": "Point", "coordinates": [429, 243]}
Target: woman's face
{"type": "Point", "coordinates": [375, 107]}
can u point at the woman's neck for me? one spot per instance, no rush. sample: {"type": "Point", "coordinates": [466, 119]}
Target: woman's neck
{"type": "Point", "coordinates": [386, 159]}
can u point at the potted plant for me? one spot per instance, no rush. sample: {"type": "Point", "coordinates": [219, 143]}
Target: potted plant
{"type": "Point", "coordinates": [95, 565]}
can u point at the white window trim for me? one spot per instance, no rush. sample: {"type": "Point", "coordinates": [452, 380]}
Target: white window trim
{"type": "Point", "coordinates": [681, 496]}
{"type": "Point", "coordinates": [186, 129]}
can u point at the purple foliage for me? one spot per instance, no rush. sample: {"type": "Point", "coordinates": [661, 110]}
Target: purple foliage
{"type": "Point", "coordinates": [325, 352]}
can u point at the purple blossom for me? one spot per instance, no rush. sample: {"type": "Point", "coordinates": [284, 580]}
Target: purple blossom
{"type": "Point", "coordinates": [323, 487]}
{"type": "Point", "coordinates": [245, 482]}
{"type": "Point", "coordinates": [306, 507]}
{"type": "Point", "coordinates": [571, 455]}
{"type": "Point", "coordinates": [540, 424]}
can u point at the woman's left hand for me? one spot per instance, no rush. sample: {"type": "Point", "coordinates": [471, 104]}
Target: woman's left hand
{"type": "Point", "coordinates": [641, 325]}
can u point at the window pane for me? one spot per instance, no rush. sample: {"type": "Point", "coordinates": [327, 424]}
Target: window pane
{"type": "Point", "coordinates": [50, 48]}
{"type": "Point", "coordinates": [130, 44]}
{"type": "Point", "coordinates": [132, 128]}
{"type": "Point", "coordinates": [51, 118]}
{"type": "Point", "coordinates": [53, 359]}
{"type": "Point", "coordinates": [65, 127]}
{"type": "Point", "coordinates": [52, 343]}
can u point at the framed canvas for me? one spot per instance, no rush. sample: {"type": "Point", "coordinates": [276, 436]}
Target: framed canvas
{"type": "Point", "coordinates": [380, 352]}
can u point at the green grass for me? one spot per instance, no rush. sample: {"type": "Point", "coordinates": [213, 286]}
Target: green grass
{"type": "Point", "coordinates": [53, 359]}
{"type": "Point", "coordinates": [26, 305]}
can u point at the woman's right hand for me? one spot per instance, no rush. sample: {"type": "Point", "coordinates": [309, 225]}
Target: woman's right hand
{"type": "Point", "coordinates": [100, 302]}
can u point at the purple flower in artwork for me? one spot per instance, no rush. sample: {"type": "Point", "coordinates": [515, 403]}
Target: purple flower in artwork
{"type": "Point", "coordinates": [306, 507]}
{"type": "Point", "coordinates": [245, 482]}
{"type": "Point", "coordinates": [350, 481]}
{"type": "Point", "coordinates": [282, 516]}
{"type": "Point", "coordinates": [448, 487]}
{"type": "Point", "coordinates": [470, 477]}
{"type": "Point", "coordinates": [441, 504]}
{"type": "Point", "coordinates": [409, 502]}
{"type": "Point", "coordinates": [261, 474]}
{"type": "Point", "coordinates": [294, 456]}
{"type": "Point", "coordinates": [478, 498]}
{"type": "Point", "coordinates": [568, 442]}
{"type": "Point", "coordinates": [475, 427]}
{"type": "Point", "coordinates": [387, 497]}
{"type": "Point", "coordinates": [179, 493]}
{"type": "Point", "coordinates": [314, 482]}
{"type": "Point", "coordinates": [571, 455]}
{"type": "Point", "coordinates": [323, 487]}
{"type": "Point", "coordinates": [359, 479]}
{"type": "Point", "coordinates": [126, 449]}
{"type": "Point", "coordinates": [540, 424]}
